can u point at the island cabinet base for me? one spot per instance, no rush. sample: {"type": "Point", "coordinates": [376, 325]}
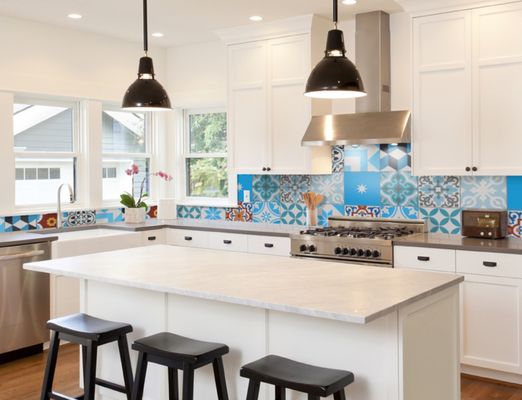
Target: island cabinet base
{"type": "Point", "coordinates": [407, 354]}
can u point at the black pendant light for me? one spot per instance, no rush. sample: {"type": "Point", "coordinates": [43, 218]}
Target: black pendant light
{"type": "Point", "coordinates": [146, 93]}
{"type": "Point", "coordinates": [335, 77]}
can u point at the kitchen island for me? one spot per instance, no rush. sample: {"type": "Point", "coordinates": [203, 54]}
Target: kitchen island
{"type": "Point", "coordinates": [396, 330]}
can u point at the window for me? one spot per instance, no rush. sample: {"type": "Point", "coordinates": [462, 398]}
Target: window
{"type": "Point", "coordinates": [125, 141]}
{"type": "Point", "coordinates": [45, 145]}
{"type": "Point", "coordinates": [205, 154]}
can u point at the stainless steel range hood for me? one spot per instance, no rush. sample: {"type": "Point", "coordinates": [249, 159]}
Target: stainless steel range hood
{"type": "Point", "coordinates": [373, 121]}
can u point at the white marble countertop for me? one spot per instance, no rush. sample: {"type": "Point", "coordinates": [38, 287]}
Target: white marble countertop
{"type": "Point", "coordinates": [338, 291]}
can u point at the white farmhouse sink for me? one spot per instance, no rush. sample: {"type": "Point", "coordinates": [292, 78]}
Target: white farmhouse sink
{"type": "Point", "coordinates": [75, 243]}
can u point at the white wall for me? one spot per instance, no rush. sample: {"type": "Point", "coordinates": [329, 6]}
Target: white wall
{"type": "Point", "coordinates": [197, 74]}
{"type": "Point", "coordinates": [40, 58]}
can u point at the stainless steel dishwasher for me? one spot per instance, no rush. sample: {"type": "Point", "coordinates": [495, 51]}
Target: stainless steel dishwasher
{"type": "Point", "coordinates": [24, 300]}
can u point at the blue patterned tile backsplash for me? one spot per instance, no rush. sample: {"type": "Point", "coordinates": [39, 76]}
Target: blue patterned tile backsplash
{"type": "Point", "coordinates": [372, 181]}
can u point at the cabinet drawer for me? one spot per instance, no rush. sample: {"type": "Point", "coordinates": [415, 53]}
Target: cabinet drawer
{"type": "Point", "coordinates": [157, 236]}
{"type": "Point", "coordinates": [493, 264]}
{"type": "Point", "coordinates": [274, 245]}
{"type": "Point", "coordinates": [227, 241]}
{"type": "Point", "coordinates": [424, 258]}
{"type": "Point", "coordinates": [188, 238]}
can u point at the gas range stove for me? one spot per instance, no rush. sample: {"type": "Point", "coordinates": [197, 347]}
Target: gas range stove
{"type": "Point", "coordinates": [357, 240]}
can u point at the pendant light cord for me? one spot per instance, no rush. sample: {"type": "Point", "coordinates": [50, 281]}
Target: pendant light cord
{"type": "Point", "coordinates": [145, 28]}
{"type": "Point", "coordinates": [335, 12]}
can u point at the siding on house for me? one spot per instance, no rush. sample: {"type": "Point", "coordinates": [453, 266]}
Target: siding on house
{"type": "Point", "coordinates": [53, 134]}
{"type": "Point", "coordinates": [117, 138]}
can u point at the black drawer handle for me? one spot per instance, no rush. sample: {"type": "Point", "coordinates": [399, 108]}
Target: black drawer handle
{"type": "Point", "coordinates": [269, 245]}
{"type": "Point", "coordinates": [489, 264]}
{"type": "Point", "coordinates": [423, 258]}
{"type": "Point", "coordinates": [151, 238]}
{"type": "Point", "coordinates": [188, 238]}
{"type": "Point", "coordinates": [227, 241]}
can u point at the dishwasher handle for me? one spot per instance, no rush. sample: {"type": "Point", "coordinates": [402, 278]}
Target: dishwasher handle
{"type": "Point", "coordinates": [20, 256]}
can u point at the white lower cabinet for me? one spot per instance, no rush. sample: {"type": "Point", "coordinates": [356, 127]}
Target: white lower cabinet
{"type": "Point", "coordinates": [271, 245]}
{"type": "Point", "coordinates": [490, 301]}
{"type": "Point", "coordinates": [157, 236]}
{"type": "Point", "coordinates": [187, 238]}
{"type": "Point", "coordinates": [491, 313]}
{"type": "Point", "coordinates": [227, 241]}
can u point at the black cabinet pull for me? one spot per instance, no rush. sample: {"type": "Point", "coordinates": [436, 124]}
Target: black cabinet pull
{"type": "Point", "coordinates": [423, 258]}
{"type": "Point", "coordinates": [264, 168]}
{"type": "Point", "coordinates": [269, 169]}
{"type": "Point", "coordinates": [269, 245]}
{"type": "Point", "coordinates": [151, 238]}
{"type": "Point", "coordinates": [227, 241]}
{"type": "Point", "coordinates": [188, 238]}
{"type": "Point", "coordinates": [489, 264]}
{"type": "Point", "coordinates": [468, 169]}
{"type": "Point", "coordinates": [474, 169]}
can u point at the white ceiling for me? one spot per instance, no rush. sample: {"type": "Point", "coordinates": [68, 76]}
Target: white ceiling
{"type": "Point", "coordinates": [182, 21]}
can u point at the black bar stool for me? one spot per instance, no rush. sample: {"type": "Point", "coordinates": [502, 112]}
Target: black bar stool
{"type": "Point", "coordinates": [289, 374]}
{"type": "Point", "coordinates": [178, 352]}
{"type": "Point", "coordinates": [90, 333]}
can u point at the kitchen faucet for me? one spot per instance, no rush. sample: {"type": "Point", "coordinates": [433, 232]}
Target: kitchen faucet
{"type": "Point", "coordinates": [59, 203]}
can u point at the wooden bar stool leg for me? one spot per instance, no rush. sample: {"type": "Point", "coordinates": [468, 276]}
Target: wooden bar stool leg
{"type": "Point", "coordinates": [139, 382]}
{"type": "Point", "coordinates": [253, 390]}
{"type": "Point", "coordinates": [188, 382]}
{"type": "Point", "coordinates": [173, 384]}
{"type": "Point", "coordinates": [340, 395]}
{"type": "Point", "coordinates": [50, 367]}
{"type": "Point", "coordinates": [90, 371]}
{"type": "Point", "coordinates": [123, 347]}
{"type": "Point", "coordinates": [280, 393]}
{"type": "Point", "coordinates": [219, 376]}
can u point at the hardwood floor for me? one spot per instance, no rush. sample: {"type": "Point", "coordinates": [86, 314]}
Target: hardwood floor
{"type": "Point", "coordinates": [21, 380]}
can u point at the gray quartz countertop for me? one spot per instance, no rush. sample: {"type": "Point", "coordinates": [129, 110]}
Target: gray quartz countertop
{"type": "Point", "coordinates": [454, 242]}
{"type": "Point", "coordinates": [346, 292]}
{"type": "Point", "coordinates": [19, 238]}
{"type": "Point", "coordinates": [211, 226]}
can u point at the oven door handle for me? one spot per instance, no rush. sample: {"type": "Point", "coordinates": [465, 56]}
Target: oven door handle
{"type": "Point", "coordinates": [20, 256]}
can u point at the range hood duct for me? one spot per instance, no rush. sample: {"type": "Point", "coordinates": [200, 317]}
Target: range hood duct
{"type": "Point", "coordinates": [373, 121]}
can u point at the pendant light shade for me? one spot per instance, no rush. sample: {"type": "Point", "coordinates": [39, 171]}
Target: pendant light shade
{"type": "Point", "coordinates": [335, 76]}
{"type": "Point", "coordinates": [146, 93]}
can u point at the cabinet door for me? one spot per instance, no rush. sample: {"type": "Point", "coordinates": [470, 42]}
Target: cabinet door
{"type": "Point", "coordinates": [290, 111]}
{"type": "Point", "coordinates": [491, 320]}
{"type": "Point", "coordinates": [442, 120]}
{"type": "Point", "coordinates": [497, 87]}
{"type": "Point", "coordinates": [247, 107]}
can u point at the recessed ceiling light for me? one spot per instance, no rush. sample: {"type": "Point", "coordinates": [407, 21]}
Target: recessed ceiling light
{"type": "Point", "coordinates": [158, 34]}
{"type": "Point", "coordinates": [256, 18]}
{"type": "Point", "coordinates": [350, 2]}
{"type": "Point", "coordinates": [75, 16]}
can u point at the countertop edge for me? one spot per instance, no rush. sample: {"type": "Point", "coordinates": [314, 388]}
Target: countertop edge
{"type": "Point", "coordinates": [362, 320]}
{"type": "Point", "coordinates": [38, 238]}
{"type": "Point", "coordinates": [449, 246]}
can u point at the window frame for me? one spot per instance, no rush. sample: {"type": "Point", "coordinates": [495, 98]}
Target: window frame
{"type": "Point", "coordinates": [184, 154]}
{"type": "Point", "coordinates": [149, 130]}
{"type": "Point", "coordinates": [75, 154]}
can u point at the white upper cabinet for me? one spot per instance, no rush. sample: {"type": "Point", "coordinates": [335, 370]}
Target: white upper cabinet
{"type": "Point", "coordinates": [267, 111]}
{"type": "Point", "coordinates": [467, 68]}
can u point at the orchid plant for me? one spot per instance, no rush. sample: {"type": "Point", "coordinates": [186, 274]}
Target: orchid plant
{"type": "Point", "coordinates": [128, 199]}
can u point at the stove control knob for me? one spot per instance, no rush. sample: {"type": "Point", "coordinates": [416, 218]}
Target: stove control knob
{"type": "Point", "coordinates": [346, 251]}
{"type": "Point", "coordinates": [303, 247]}
{"type": "Point", "coordinates": [367, 253]}
{"type": "Point", "coordinates": [360, 252]}
{"type": "Point", "coordinates": [312, 248]}
{"type": "Point", "coordinates": [353, 251]}
{"type": "Point", "coordinates": [338, 251]}
{"type": "Point", "coordinates": [376, 253]}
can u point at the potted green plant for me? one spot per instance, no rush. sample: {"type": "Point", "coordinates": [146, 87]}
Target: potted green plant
{"type": "Point", "coordinates": [135, 207]}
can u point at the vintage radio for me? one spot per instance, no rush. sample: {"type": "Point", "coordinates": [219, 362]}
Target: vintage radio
{"type": "Point", "coordinates": [488, 224]}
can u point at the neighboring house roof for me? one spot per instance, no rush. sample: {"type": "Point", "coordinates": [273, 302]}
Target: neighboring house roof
{"type": "Point", "coordinates": [26, 116]}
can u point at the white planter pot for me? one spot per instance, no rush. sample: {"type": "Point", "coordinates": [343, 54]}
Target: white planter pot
{"type": "Point", "coordinates": [135, 215]}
